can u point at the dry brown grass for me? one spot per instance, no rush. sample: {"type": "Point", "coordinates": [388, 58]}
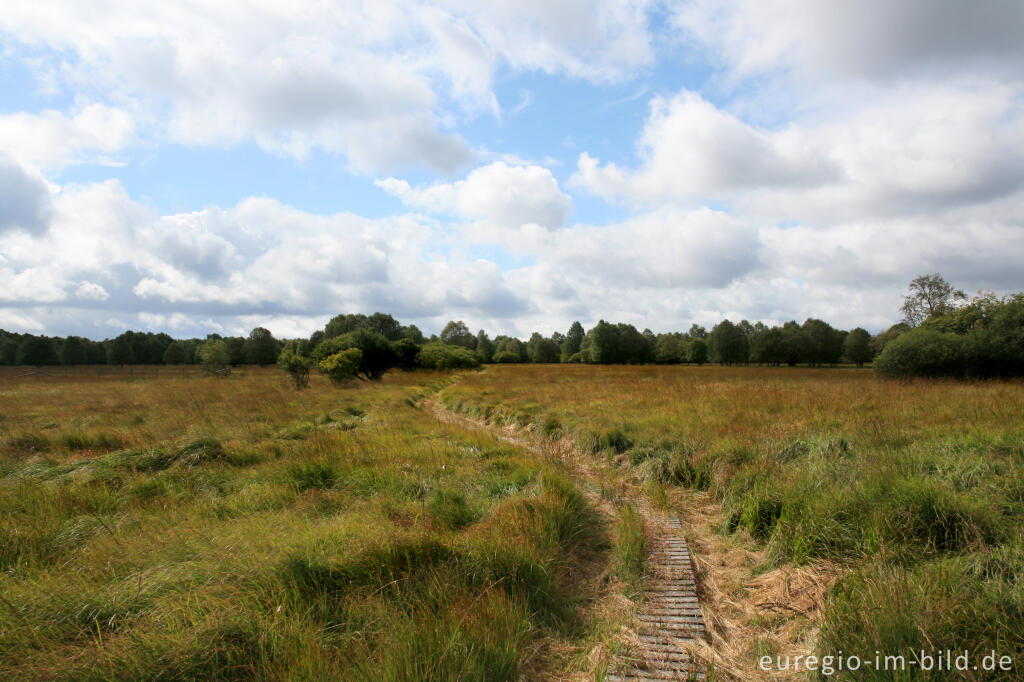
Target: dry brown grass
{"type": "Point", "coordinates": [209, 528]}
{"type": "Point", "coordinates": [806, 424]}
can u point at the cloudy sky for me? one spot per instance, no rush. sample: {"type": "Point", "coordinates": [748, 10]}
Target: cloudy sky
{"type": "Point", "coordinates": [192, 166]}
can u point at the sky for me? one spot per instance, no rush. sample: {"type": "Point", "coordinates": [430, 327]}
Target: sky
{"type": "Point", "coordinates": [192, 167]}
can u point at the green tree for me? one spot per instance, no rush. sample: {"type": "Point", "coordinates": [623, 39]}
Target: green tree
{"type": "Point", "coordinates": [120, 351]}
{"type": "Point", "coordinates": [236, 350]}
{"type": "Point", "coordinates": [879, 343]}
{"type": "Point", "coordinates": [857, 347]}
{"type": "Point", "coordinates": [74, 351]}
{"type": "Point", "coordinates": [413, 333]}
{"type": "Point", "coordinates": [343, 366]}
{"type": "Point", "coordinates": [343, 324]}
{"type": "Point", "coordinates": [767, 346]}
{"type": "Point", "coordinates": [727, 344]}
{"type": "Point", "coordinates": [214, 356]}
{"type": "Point", "coordinates": [378, 354]}
{"type": "Point", "coordinates": [297, 367]}
{"type": "Point", "coordinates": [929, 295]}
{"type": "Point", "coordinates": [261, 348]}
{"type": "Point", "coordinates": [176, 354]}
{"type": "Point", "coordinates": [603, 344]}
{"type": "Point", "coordinates": [795, 345]}
{"type": "Point", "coordinates": [36, 350]}
{"type": "Point", "coordinates": [668, 349]}
{"type": "Point", "coordinates": [458, 334]}
{"type": "Point", "coordinates": [8, 351]}
{"type": "Point", "coordinates": [407, 350]}
{"type": "Point", "coordinates": [824, 345]}
{"type": "Point", "coordinates": [445, 356]}
{"type": "Point", "coordinates": [573, 340]}
{"type": "Point", "coordinates": [385, 325]}
{"type": "Point", "coordinates": [542, 350]}
{"type": "Point", "coordinates": [484, 346]}
{"type": "Point", "coordinates": [509, 349]}
{"type": "Point", "coordinates": [697, 351]}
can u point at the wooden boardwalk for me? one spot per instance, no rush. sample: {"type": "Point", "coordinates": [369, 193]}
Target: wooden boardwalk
{"type": "Point", "coordinates": [670, 619]}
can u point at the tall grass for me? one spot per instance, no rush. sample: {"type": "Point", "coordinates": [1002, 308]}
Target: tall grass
{"type": "Point", "coordinates": [238, 529]}
{"type": "Point", "coordinates": [914, 488]}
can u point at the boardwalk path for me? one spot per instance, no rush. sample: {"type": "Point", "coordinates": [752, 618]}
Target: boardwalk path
{"type": "Point", "coordinates": [670, 621]}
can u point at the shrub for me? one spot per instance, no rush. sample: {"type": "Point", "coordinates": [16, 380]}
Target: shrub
{"type": "Point", "coordinates": [215, 357]}
{"type": "Point", "coordinates": [378, 354]}
{"type": "Point", "coordinates": [924, 353]}
{"type": "Point", "coordinates": [297, 367]}
{"type": "Point", "coordinates": [342, 366]}
{"type": "Point", "coordinates": [444, 356]}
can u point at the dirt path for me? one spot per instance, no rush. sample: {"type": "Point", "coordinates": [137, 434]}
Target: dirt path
{"type": "Point", "coordinates": [670, 627]}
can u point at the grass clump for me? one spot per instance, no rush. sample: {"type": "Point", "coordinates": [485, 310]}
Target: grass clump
{"type": "Point", "coordinates": [615, 440]}
{"type": "Point", "coordinates": [310, 475]}
{"type": "Point", "coordinates": [630, 545]}
{"type": "Point", "coordinates": [450, 510]}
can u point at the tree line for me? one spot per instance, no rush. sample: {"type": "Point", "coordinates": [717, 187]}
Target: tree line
{"type": "Point", "coordinates": [941, 335]}
{"type": "Point", "coordinates": [136, 348]}
{"type": "Point", "coordinates": [814, 342]}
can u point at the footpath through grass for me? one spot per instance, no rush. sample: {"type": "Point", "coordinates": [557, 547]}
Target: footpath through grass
{"type": "Point", "coordinates": [209, 528]}
{"type": "Point", "coordinates": [911, 492]}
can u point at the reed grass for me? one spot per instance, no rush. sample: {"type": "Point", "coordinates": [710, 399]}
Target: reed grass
{"type": "Point", "coordinates": [208, 528]}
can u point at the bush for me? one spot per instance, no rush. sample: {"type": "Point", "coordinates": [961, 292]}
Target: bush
{"type": "Point", "coordinates": [214, 356]}
{"type": "Point", "coordinates": [297, 367]}
{"type": "Point", "coordinates": [443, 356]}
{"type": "Point", "coordinates": [378, 354]}
{"type": "Point", "coordinates": [342, 366]}
{"type": "Point", "coordinates": [505, 356]}
{"type": "Point", "coordinates": [924, 353]}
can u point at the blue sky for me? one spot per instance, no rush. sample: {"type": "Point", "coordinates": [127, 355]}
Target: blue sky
{"type": "Point", "coordinates": [191, 167]}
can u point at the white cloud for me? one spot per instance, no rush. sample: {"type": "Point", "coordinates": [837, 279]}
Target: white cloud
{"type": "Point", "coordinates": [90, 291]}
{"type": "Point", "coordinates": [377, 81]}
{"type": "Point", "coordinates": [869, 39]}
{"type": "Point", "coordinates": [909, 151]}
{"type": "Point", "coordinates": [262, 263]}
{"type": "Point", "coordinates": [53, 139]}
{"type": "Point", "coordinates": [25, 200]}
{"type": "Point", "coordinates": [690, 148]}
{"type": "Point", "coordinates": [503, 195]}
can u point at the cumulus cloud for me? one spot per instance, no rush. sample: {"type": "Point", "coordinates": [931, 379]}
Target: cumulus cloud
{"type": "Point", "coordinates": [908, 151]}
{"type": "Point", "coordinates": [871, 39]}
{"type": "Point", "coordinates": [376, 81]}
{"type": "Point", "coordinates": [690, 148]}
{"type": "Point", "coordinates": [53, 139]}
{"type": "Point", "coordinates": [503, 195]}
{"type": "Point", "coordinates": [25, 200]}
{"type": "Point", "coordinates": [106, 257]}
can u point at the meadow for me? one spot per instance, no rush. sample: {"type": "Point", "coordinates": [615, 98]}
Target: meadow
{"type": "Point", "coordinates": [169, 527]}
{"type": "Point", "coordinates": [827, 509]}
{"type": "Point", "coordinates": [235, 528]}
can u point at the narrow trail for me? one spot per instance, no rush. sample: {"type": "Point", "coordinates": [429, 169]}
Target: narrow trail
{"type": "Point", "coordinates": [670, 622]}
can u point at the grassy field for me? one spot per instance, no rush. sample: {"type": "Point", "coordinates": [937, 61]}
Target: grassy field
{"type": "Point", "coordinates": [830, 510]}
{"type": "Point", "coordinates": [208, 528]}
